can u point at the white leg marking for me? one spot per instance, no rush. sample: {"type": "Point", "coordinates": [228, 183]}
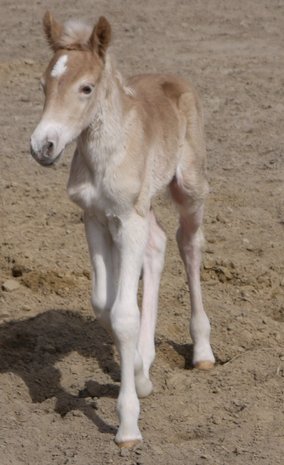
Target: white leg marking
{"type": "Point", "coordinates": [189, 239]}
{"type": "Point", "coordinates": [130, 240]}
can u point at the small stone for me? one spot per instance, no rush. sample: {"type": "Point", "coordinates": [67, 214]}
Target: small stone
{"type": "Point", "coordinates": [10, 285]}
{"type": "Point", "coordinates": [87, 274]}
{"type": "Point", "coordinates": [221, 219]}
{"type": "Point", "coordinates": [26, 308]}
{"type": "Point", "coordinates": [27, 61]}
{"type": "Point", "coordinates": [211, 240]}
{"type": "Point", "coordinates": [209, 263]}
{"type": "Point", "coordinates": [124, 452]}
{"type": "Point", "coordinates": [77, 413]}
{"type": "Point", "coordinates": [244, 296]}
{"type": "Point", "coordinates": [209, 250]}
{"type": "Point", "coordinates": [138, 449]}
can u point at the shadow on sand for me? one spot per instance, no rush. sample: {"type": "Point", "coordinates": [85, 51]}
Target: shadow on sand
{"type": "Point", "coordinates": [31, 348]}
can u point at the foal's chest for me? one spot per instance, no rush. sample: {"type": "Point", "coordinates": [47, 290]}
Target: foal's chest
{"type": "Point", "coordinates": [103, 191]}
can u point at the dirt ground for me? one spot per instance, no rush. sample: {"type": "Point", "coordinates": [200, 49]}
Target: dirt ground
{"type": "Point", "coordinates": [59, 371]}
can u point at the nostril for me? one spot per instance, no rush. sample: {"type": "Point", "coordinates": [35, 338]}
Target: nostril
{"type": "Point", "coordinates": [49, 146]}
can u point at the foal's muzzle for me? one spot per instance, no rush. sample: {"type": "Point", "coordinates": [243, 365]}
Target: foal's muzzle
{"type": "Point", "coordinates": [46, 154]}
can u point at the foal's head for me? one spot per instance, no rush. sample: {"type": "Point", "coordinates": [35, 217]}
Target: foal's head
{"type": "Point", "coordinates": [70, 84]}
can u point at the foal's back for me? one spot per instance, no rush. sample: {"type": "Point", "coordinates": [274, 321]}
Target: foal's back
{"type": "Point", "coordinates": [158, 97]}
{"type": "Point", "coordinates": [159, 88]}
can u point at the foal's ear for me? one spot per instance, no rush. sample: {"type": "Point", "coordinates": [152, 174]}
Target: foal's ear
{"type": "Point", "coordinates": [100, 37]}
{"type": "Point", "coordinates": [53, 30]}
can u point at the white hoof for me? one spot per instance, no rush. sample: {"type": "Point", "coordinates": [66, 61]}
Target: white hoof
{"type": "Point", "coordinates": [130, 444]}
{"type": "Point", "coordinates": [204, 365]}
{"type": "Point", "coordinates": [128, 441]}
{"type": "Point", "coordinates": [203, 357]}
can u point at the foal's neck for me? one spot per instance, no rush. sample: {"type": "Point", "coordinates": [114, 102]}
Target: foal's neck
{"type": "Point", "coordinates": [104, 136]}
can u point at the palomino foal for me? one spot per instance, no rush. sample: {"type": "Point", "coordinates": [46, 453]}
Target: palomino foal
{"type": "Point", "coordinates": [134, 138]}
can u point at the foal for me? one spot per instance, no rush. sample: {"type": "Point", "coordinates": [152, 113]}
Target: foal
{"type": "Point", "coordinates": [134, 138]}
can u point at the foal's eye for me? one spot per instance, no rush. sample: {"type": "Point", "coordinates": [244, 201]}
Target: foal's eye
{"type": "Point", "coordinates": [86, 89]}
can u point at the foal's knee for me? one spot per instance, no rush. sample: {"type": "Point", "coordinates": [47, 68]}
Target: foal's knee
{"type": "Point", "coordinates": [125, 321]}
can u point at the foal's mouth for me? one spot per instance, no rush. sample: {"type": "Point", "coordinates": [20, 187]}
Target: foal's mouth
{"type": "Point", "coordinates": [46, 161]}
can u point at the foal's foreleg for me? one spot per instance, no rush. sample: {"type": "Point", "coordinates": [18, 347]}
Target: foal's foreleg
{"type": "Point", "coordinates": [189, 238]}
{"type": "Point", "coordinates": [130, 238]}
{"type": "Point", "coordinates": [153, 263]}
{"type": "Point", "coordinates": [103, 260]}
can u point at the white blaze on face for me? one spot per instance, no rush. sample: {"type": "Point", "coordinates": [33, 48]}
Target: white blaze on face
{"type": "Point", "coordinates": [60, 67]}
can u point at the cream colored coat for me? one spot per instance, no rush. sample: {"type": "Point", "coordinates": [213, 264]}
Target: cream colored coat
{"type": "Point", "coordinates": [134, 138]}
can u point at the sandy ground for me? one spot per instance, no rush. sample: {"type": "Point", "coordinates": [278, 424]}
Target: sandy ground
{"type": "Point", "coordinates": [59, 371]}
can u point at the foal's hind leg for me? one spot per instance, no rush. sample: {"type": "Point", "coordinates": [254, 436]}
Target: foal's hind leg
{"type": "Point", "coordinates": [189, 238]}
{"type": "Point", "coordinates": [153, 263]}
